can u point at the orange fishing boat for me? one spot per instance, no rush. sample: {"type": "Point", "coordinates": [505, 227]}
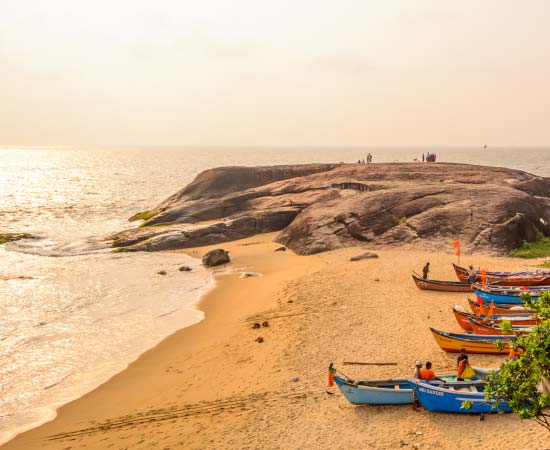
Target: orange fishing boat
{"type": "Point", "coordinates": [463, 318]}
{"type": "Point", "coordinates": [482, 328]}
{"type": "Point", "coordinates": [500, 309]}
{"type": "Point", "coordinates": [532, 278]}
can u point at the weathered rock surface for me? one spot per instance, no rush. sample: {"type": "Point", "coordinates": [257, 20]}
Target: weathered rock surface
{"type": "Point", "coordinates": [322, 207]}
{"type": "Point", "coordinates": [215, 257]}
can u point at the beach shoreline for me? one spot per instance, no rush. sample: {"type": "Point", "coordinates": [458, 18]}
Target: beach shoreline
{"type": "Point", "coordinates": [211, 385]}
{"type": "Point", "coordinates": [167, 316]}
{"type": "Point", "coordinates": [207, 304]}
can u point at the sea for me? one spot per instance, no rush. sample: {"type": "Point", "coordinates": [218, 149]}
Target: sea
{"type": "Point", "coordinates": [71, 319]}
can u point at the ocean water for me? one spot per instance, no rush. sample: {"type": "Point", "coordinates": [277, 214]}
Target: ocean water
{"type": "Point", "coordinates": [72, 320]}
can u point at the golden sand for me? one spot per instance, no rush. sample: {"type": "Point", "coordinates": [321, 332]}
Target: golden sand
{"type": "Point", "coordinates": [212, 386]}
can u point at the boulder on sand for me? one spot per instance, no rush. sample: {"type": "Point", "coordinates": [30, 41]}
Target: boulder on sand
{"type": "Point", "coordinates": [216, 257]}
{"type": "Point", "coordinates": [366, 255]}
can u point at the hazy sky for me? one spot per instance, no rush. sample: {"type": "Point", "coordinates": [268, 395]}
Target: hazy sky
{"type": "Point", "coordinates": [275, 72]}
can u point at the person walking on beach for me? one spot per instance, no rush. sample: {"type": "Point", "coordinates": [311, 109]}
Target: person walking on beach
{"type": "Point", "coordinates": [417, 375]}
{"type": "Point", "coordinates": [423, 157]}
{"type": "Point", "coordinates": [426, 270]}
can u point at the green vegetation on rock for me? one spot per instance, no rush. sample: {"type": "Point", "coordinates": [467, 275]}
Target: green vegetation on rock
{"type": "Point", "coordinates": [9, 237]}
{"type": "Point", "coordinates": [143, 215]}
{"type": "Point", "coordinates": [538, 249]}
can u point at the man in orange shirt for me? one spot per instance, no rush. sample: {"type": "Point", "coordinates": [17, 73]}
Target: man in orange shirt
{"type": "Point", "coordinates": [428, 374]}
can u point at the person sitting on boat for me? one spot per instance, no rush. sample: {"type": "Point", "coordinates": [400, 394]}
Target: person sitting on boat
{"type": "Point", "coordinates": [461, 363]}
{"type": "Point", "coordinates": [472, 276]}
{"type": "Point", "coordinates": [426, 270]}
{"type": "Point", "coordinates": [515, 353]}
{"type": "Point", "coordinates": [428, 374]}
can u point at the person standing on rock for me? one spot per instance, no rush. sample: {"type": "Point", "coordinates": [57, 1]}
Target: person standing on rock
{"type": "Point", "coordinates": [426, 270]}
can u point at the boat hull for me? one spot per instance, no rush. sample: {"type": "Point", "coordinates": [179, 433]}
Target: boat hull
{"type": "Point", "coordinates": [487, 345]}
{"type": "Point", "coordinates": [511, 297]}
{"type": "Point", "coordinates": [538, 278]}
{"type": "Point", "coordinates": [377, 395]}
{"type": "Point", "coordinates": [492, 330]}
{"type": "Point", "coordinates": [519, 320]}
{"type": "Point", "coordinates": [500, 309]}
{"type": "Point", "coordinates": [443, 286]}
{"type": "Point", "coordinates": [442, 399]}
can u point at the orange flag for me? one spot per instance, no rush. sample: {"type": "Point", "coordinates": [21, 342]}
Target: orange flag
{"type": "Point", "coordinates": [456, 244]}
{"type": "Point", "coordinates": [481, 310]}
{"type": "Point", "coordinates": [491, 310]}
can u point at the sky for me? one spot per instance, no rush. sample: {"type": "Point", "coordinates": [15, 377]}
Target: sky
{"type": "Point", "coordinates": [275, 72]}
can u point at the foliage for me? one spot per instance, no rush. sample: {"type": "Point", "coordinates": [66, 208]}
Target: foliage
{"type": "Point", "coordinates": [143, 215]}
{"type": "Point", "coordinates": [518, 382]}
{"type": "Point", "coordinates": [467, 405]}
{"type": "Point", "coordinates": [544, 265]}
{"type": "Point", "coordinates": [398, 220]}
{"type": "Point", "coordinates": [9, 237]}
{"type": "Point", "coordinates": [538, 249]}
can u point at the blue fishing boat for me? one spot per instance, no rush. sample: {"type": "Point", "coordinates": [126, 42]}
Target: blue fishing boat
{"type": "Point", "coordinates": [508, 296]}
{"type": "Point", "coordinates": [465, 397]}
{"type": "Point", "coordinates": [389, 391]}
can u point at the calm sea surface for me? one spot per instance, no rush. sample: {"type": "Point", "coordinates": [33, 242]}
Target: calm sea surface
{"type": "Point", "coordinates": [80, 318]}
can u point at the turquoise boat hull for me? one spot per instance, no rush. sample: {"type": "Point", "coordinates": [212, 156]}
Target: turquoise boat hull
{"type": "Point", "coordinates": [489, 297]}
{"type": "Point", "coordinates": [386, 392]}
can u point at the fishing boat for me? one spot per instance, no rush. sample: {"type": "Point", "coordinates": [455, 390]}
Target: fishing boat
{"type": "Point", "coordinates": [480, 307]}
{"type": "Point", "coordinates": [529, 278]}
{"type": "Point", "coordinates": [390, 391]}
{"type": "Point", "coordinates": [465, 397]}
{"type": "Point", "coordinates": [463, 318]}
{"type": "Point", "coordinates": [479, 327]}
{"type": "Point", "coordinates": [472, 343]}
{"type": "Point", "coordinates": [502, 294]}
{"type": "Point", "coordinates": [437, 285]}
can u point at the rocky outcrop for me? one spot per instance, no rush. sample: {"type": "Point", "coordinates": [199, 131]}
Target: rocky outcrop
{"type": "Point", "coordinates": [215, 257]}
{"type": "Point", "coordinates": [325, 206]}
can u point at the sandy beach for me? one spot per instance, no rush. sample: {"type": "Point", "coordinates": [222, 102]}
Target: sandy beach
{"type": "Point", "coordinates": [212, 386]}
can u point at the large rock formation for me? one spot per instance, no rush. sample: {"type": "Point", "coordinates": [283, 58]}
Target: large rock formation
{"type": "Point", "coordinates": [326, 206]}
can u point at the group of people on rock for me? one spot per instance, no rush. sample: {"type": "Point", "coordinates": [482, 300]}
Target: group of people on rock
{"type": "Point", "coordinates": [369, 159]}
{"type": "Point", "coordinates": [430, 157]}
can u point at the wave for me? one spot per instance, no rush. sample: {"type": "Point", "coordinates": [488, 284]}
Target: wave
{"type": "Point", "coordinates": [45, 246]}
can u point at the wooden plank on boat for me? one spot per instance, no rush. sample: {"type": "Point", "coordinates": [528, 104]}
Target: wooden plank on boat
{"type": "Point", "coordinates": [356, 363]}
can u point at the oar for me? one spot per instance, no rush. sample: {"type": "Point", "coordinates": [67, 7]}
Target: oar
{"type": "Point", "coordinates": [355, 363]}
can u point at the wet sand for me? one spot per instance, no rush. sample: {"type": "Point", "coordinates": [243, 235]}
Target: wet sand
{"type": "Point", "coordinates": [212, 386]}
